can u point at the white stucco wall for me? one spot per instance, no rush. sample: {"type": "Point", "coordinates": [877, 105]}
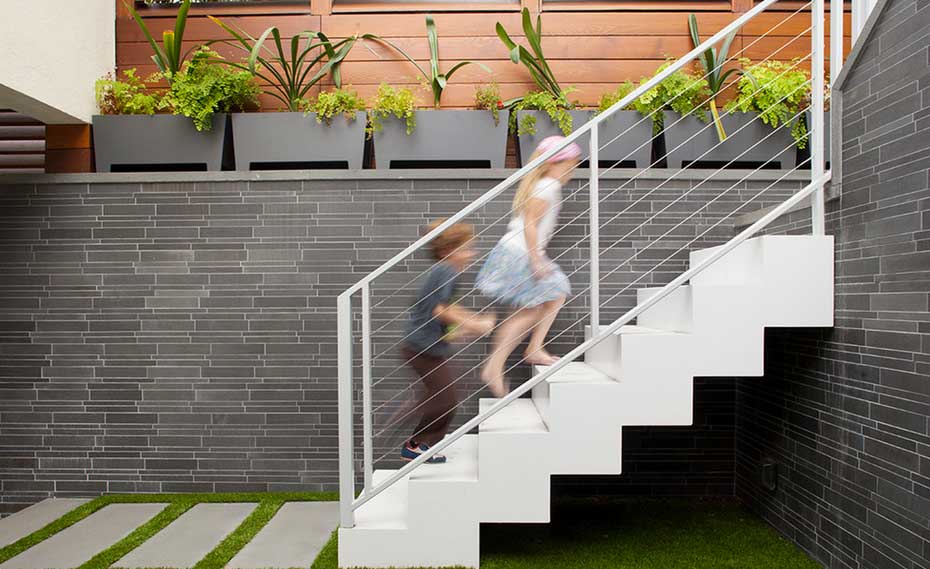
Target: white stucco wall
{"type": "Point", "coordinates": [53, 51]}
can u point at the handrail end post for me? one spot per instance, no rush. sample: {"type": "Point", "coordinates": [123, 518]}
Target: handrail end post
{"type": "Point", "coordinates": [344, 368]}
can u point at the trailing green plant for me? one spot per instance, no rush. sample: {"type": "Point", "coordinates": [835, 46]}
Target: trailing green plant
{"type": "Point", "coordinates": [779, 91]}
{"type": "Point", "coordinates": [488, 98]}
{"type": "Point", "coordinates": [535, 61]}
{"type": "Point", "coordinates": [608, 99]}
{"type": "Point", "coordinates": [683, 92]}
{"type": "Point", "coordinates": [556, 106]}
{"type": "Point", "coordinates": [202, 88]}
{"type": "Point", "coordinates": [397, 102]}
{"type": "Point", "coordinates": [328, 104]}
{"type": "Point", "coordinates": [129, 96]}
{"type": "Point", "coordinates": [293, 70]}
{"type": "Point", "coordinates": [167, 57]}
{"type": "Point", "coordinates": [712, 61]}
{"type": "Point", "coordinates": [435, 79]}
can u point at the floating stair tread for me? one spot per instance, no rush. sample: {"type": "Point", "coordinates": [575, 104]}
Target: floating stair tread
{"type": "Point", "coordinates": [577, 372]}
{"type": "Point", "coordinates": [631, 329]}
{"type": "Point", "coordinates": [461, 464]}
{"type": "Point", "coordinates": [387, 510]}
{"type": "Point", "coordinates": [521, 416]}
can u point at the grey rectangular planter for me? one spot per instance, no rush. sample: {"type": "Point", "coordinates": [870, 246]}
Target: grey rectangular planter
{"type": "Point", "coordinates": [443, 136]}
{"type": "Point", "coordinates": [269, 138]}
{"type": "Point", "coordinates": [149, 141]}
{"type": "Point", "coordinates": [804, 156]}
{"type": "Point", "coordinates": [545, 128]}
{"type": "Point", "coordinates": [690, 140]}
{"type": "Point", "coordinates": [633, 133]}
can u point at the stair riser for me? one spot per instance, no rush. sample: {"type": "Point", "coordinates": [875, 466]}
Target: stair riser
{"type": "Point", "coordinates": [514, 477]}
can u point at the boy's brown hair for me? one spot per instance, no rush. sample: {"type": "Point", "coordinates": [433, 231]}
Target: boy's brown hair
{"type": "Point", "coordinates": [450, 239]}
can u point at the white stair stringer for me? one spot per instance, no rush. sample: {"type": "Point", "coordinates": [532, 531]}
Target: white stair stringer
{"type": "Point", "coordinates": [641, 375]}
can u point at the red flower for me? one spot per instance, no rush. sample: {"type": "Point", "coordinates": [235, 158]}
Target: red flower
{"type": "Point", "coordinates": [500, 104]}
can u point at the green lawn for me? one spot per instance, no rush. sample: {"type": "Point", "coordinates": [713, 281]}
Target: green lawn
{"type": "Point", "coordinates": [634, 534]}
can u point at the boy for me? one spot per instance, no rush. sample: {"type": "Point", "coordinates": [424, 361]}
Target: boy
{"type": "Point", "coordinates": [426, 348]}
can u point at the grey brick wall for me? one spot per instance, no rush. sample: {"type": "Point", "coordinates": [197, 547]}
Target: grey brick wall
{"type": "Point", "coordinates": [180, 335]}
{"type": "Point", "coordinates": [845, 411]}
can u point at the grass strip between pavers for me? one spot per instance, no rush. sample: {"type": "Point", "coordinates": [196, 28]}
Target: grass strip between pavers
{"type": "Point", "coordinates": [140, 535]}
{"type": "Point", "coordinates": [235, 541]}
{"type": "Point", "coordinates": [178, 504]}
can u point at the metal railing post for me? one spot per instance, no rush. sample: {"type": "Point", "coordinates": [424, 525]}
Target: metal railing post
{"type": "Point", "coordinates": [366, 387]}
{"type": "Point", "coordinates": [836, 38]}
{"type": "Point", "coordinates": [816, 139]}
{"type": "Point", "coordinates": [595, 232]}
{"type": "Point", "coordinates": [344, 368]}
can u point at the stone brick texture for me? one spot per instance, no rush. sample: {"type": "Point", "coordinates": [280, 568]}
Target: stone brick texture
{"type": "Point", "coordinates": [179, 337]}
{"type": "Point", "coordinates": [844, 412]}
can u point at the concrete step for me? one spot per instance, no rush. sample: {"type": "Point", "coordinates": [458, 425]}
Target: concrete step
{"type": "Point", "coordinates": [37, 516]}
{"type": "Point", "coordinates": [293, 537]}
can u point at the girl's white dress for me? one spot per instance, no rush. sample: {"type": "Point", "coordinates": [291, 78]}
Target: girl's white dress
{"type": "Point", "coordinates": [507, 276]}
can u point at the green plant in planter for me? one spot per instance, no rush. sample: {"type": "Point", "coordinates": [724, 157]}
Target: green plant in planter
{"type": "Point", "coordinates": [395, 102]}
{"type": "Point", "coordinates": [535, 61]}
{"type": "Point", "coordinates": [608, 99]}
{"type": "Point", "coordinates": [436, 80]}
{"type": "Point", "coordinates": [556, 106]}
{"type": "Point", "coordinates": [779, 91]}
{"type": "Point", "coordinates": [328, 104]}
{"type": "Point", "coordinates": [167, 57]}
{"type": "Point", "coordinates": [127, 97]}
{"type": "Point", "coordinates": [683, 92]}
{"type": "Point", "coordinates": [712, 61]}
{"type": "Point", "coordinates": [488, 98]}
{"type": "Point", "coordinates": [293, 70]}
{"type": "Point", "coordinates": [203, 87]}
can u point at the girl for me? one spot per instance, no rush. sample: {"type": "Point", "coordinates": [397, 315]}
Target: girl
{"type": "Point", "coordinates": [518, 272]}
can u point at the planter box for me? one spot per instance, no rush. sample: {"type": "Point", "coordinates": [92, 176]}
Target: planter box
{"type": "Point", "coordinates": [443, 136]}
{"type": "Point", "coordinates": [804, 156]}
{"type": "Point", "coordinates": [634, 146]}
{"type": "Point", "coordinates": [264, 140]}
{"type": "Point", "coordinates": [545, 127]}
{"type": "Point", "coordinates": [691, 140]}
{"type": "Point", "coordinates": [151, 142]}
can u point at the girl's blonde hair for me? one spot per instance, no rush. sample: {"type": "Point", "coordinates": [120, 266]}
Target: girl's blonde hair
{"type": "Point", "coordinates": [528, 183]}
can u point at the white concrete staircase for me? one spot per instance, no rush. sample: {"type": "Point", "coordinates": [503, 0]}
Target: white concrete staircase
{"type": "Point", "coordinates": [573, 423]}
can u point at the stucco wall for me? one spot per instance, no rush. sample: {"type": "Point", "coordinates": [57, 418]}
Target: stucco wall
{"type": "Point", "coordinates": [53, 51]}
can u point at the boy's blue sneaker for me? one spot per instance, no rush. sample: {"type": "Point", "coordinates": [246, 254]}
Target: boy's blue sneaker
{"type": "Point", "coordinates": [410, 452]}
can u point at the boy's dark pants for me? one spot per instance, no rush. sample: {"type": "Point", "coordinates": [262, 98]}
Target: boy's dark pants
{"type": "Point", "coordinates": [438, 404]}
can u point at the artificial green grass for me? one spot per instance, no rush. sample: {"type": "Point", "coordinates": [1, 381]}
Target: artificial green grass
{"type": "Point", "coordinates": [232, 543]}
{"type": "Point", "coordinates": [178, 504]}
{"type": "Point", "coordinates": [633, 534]}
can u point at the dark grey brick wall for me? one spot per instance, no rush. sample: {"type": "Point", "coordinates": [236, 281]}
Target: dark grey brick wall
{"type": "Point", "coordinates": [180, 336]}
{"type": "Point", "coordinates": [845, 411]}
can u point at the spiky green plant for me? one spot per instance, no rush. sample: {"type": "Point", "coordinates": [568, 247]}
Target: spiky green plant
{"type": "Point", "coordinates": [167, 57]}
{"type": "Point", "coordinates": [436, 80]}
{"type": "Point", "coordinates": [712, 61]}
{"type": "Point", "coordinates": [535, 61]}
{"type": "Point", "coordinates": [291, 73]}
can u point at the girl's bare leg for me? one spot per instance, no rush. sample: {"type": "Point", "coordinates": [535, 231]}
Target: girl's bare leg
{"type": "Point", "coordinates": [536, 353]}
{"type": "Point", "coordinates": [508, 336]}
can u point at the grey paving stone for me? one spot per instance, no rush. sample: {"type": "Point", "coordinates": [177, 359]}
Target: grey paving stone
{"type": "Point", "coordinates": [75, 545]}
{"type": "Point", "coordinates": [37, 516]}
{"type": "Point", "coordinates": [189, 538]}
{"type": "Point", "coordinates": [293, 537]}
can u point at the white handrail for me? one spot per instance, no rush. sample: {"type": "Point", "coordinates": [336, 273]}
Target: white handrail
{"type": "Point", "coordinates": [475, 421]}
{"type": "Point", "coordinates": [516, 176]}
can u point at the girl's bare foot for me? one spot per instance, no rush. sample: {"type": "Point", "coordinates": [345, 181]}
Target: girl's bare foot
{"type": "Point", "coordinates": [495, 383]}
{"type": "Point", "coordinates": [539, 358]}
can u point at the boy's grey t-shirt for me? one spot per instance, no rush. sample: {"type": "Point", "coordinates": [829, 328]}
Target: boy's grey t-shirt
{"type": "Point", "coordinates": [424, 332]}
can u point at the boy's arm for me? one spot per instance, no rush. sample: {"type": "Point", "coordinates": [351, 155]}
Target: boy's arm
{"type": "Point", "coordinates": [467, 319]}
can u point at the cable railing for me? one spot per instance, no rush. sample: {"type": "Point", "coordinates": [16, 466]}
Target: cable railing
{"type": "Point", "coordinates": [591, 292]}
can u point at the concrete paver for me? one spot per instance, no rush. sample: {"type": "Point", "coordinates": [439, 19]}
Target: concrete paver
{"type": "Point", "coordinates": [189, 538]}
{"type": "Point", "coordinates": [36, 516]}
{"type": "Point", "coordinates": [73, 546]}
{"type": "Point", "coordinates": [292, 538]}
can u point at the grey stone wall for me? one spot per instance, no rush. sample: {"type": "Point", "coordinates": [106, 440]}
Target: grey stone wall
{"type": "Point", "coordinates": [178, 334]}
{"type": "Point", "coordinates": [844, 412]}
